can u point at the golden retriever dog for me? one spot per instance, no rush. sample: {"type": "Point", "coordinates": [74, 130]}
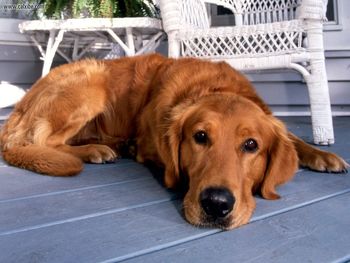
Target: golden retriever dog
{"type": "Point", "coordinates": [202, 121]}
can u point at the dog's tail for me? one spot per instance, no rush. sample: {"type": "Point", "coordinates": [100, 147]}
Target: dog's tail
{"type": "Point", "coordinates": [43, 159]}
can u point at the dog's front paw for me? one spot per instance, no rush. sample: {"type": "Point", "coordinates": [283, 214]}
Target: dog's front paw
{"type": "Point", "coordinates": [97, 153]}
{"type": "Point", "coordinates": [326, 162]}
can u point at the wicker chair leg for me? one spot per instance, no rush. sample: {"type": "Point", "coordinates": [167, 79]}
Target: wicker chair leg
{"type": "Point", "coordinates": [173, 47]}
{"type": "Point", "coordinates": [321, 114]}
{"type": "Point", "coordinates": [318, 86]}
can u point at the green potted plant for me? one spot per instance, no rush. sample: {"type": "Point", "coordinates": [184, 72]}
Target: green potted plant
{"type": "Point", "coordinates": [58, 9]}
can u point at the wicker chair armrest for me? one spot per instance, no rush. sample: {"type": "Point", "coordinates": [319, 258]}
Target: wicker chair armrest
{"type": "Point", "coordinates": [271, 28]}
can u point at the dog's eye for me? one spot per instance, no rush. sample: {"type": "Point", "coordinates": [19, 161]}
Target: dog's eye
{"type": "Point", "coordinates": [250, 146]}
{"type": "Point", "coordinates": [201, 137]}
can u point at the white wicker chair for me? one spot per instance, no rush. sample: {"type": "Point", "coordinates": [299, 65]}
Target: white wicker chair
{"type": "Point", "coordinates": [267, 34]}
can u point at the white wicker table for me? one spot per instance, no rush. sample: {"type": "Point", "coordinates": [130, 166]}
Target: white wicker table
{"type": "Point", "coordinates": [135, 35]}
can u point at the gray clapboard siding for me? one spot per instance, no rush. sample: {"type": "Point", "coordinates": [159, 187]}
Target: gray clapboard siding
{"type": "Point", "coordinates": [9, 53]}
{"type": "Point", "coordinates": [295, 93]}
{"type": "Point", "coordinates": [338, 69]}
{"type": "Point", "coordinates": [21, 64]}
{"type": "Point", "coordinates": [20, 72]}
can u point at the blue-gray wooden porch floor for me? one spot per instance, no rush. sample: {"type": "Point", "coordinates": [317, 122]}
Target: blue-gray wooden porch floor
{"type": "Point", "coordinates": [120, 212]}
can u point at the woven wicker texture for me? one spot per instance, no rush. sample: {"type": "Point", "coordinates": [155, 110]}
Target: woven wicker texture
{"type": "Point", "coordinates": [257, 40]}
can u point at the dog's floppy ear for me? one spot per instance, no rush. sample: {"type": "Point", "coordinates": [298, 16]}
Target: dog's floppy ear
{"type": "Point", "coordinates": [172, 173]}
{"type": "Point", "coordinates": [282, 163]}
{"type": "Point", "coordinates": [169, 146]}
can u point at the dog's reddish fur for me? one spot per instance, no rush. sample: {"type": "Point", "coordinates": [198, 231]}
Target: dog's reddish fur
{"type": "Point", "coordinates": [80, 112]}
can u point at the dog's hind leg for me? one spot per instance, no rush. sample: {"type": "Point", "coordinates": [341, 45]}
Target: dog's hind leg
{"type": "Point", "coordinates": [48, 152]}
{"type": "Point", "coordinates": [93, 153]}
{"type": "Point", "coordinates": [316, 159]}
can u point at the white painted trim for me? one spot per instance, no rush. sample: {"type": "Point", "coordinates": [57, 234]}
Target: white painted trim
{"type": "Point", "coordinates": [307, 113]}
{"type": "Point", "coordinates": [337, 23]}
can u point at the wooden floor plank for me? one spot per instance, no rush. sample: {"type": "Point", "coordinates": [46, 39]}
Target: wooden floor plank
{"type": "Point", "coordinates": [62, 207]}
{"type": "Point", "coordinates": [145, 229]}
{"type": "Point", "coordinates": [265, 210]}
{"type": "Point", "coordinates": [311, 234]}
{"type": "Point", "coordinates": [119, 211]}
{"type": "Point", "coordinates": [19, 183]}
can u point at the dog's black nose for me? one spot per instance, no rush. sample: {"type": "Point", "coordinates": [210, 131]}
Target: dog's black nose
{"type": "Point", "coordinates": [217, 202]}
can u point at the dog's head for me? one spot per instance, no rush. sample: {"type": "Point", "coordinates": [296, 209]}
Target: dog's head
{"type": "Point", "coordinates": [227, 148]}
